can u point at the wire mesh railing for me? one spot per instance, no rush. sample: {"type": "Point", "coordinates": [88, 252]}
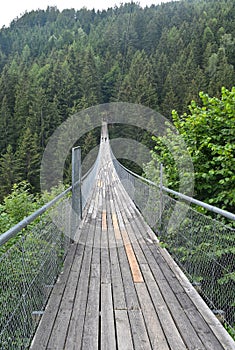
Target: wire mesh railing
{"type": "Point", "coordinates": [30, 267]}
{"type": "Point", "coordinates": [28, 271]}
{"type": "Point", "coordinates": [204, 247]}
{"type": "Point", "coordinates": [88, 181]}
{"type": "Point", "coordinates": [202, 244]}
{"type": "Point", "coordinates": [146, 196]}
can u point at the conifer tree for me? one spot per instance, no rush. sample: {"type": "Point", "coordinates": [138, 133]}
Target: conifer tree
{"type": "Point", "coordinates": [28, 155]}
{"type": "Point", "coordinates": [90, 80]}
{"type": "Point", "coordinates": [6, 126]}
{"type": "Point", "coordinates": [138, 85]}
{"type": "Point", "coordinates": [8, 171]}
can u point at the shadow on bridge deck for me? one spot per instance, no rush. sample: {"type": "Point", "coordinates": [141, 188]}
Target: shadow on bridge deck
{"type": "Point", "coordinates": [119, 289]}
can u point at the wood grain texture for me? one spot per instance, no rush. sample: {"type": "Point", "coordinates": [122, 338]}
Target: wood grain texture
{"type": "Point", "coordinates": [135, 270]}
{"type": "Point", "coordinates": [124, 338]}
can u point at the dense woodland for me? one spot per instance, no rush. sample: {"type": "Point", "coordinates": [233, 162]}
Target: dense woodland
{"type": "Point", "coordinates": [53, 64]}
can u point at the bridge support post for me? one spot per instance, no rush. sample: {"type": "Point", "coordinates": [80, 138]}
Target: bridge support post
{"type": "Point", "coordinates": [161, 196]}
{"type": "Point", "coordinates": [76, 190]}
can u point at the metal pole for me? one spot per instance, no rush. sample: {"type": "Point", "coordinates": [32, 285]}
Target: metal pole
{"type": "Point", "coordinates": [76, 189]}
{"type": "Point", "coordinates": [161, 194]}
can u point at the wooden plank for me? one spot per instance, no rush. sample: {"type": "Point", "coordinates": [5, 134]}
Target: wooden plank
{"type": "Point", "coordinates": [116, 277]}
{"type": "Point", "coordinates": [156, 334]}
{"type": "Point", "coordinates": [137, 277]}
{"type": "Point", "coordinates": [171, 332]}
{"type": "Point", "coordinates": [175, 308]}
{"type": "Point", "coordinates": [108, 339]}
{"type": "Point", "coordinates": [43, 333]}
{"type": "Point", "coordinates": [59, 331]}
{"type": "Point", "coordinates": [125, 237]}
{"type": "Point", "coordinates": [136, 273]}
{"type": "Point", "coordinates": [99, 183]}
{"type": "Point", "coordinates": [91, 324]}
{"type": "Point", "coordinates": [138, 252]}
{"type": "Point", "coordinates": [97, 241]}
{"type": "Point", "coordinates": [217, 328]}
{"type": "Point", "coordinates": [105, 265]}
{"type": "Point", "coordinates": [128, 284]}
{"type": "Point", "coordinates": [201, 327]}
{"type": "Point", "coordinates": [104, 221]}
{"type": "Point", "coordinates": [105, 261]}
{"type": "Point", "coordinates": [124, 338]}
{"type": "Point", "coordinates": [138, 329]}
{"type": "Point", "coordinates": [127, 277]}
{"type": "Point", "coordinates": [181, 320]}
{"type": "Point", "coordinates": [126, 200]}
{"type": "Point", "coordinates": [125, 219]}
{"type": "Point", "coordinates": [165, 316]}
{"type": "Point", "coordinates": [90, 335]}
{"type": "Point", "coordinates": [91, 206]}
{"type": "Point", "coordinates": [117, 283]}
{"type": "Point", "coordinates": [72, 264]}
{"type": "Point", "coordinates": [119, 212]}
{"type": "Point", "coordinates": [111, 234]}
{"type": "Point", "coordinates": [135, 237]}
{"type": "Point", "coordinates": [89, 232]}
{"type": "Point", "coordinates": [116, 227]}
{"type": "Point", "coordinates": [75, 330]}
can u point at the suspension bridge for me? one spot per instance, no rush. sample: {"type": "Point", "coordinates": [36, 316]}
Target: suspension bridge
{"type": "Point", "coordinates": [119, 288]}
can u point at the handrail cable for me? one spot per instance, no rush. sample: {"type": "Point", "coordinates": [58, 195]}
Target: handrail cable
{"type": "Point", "coordinates": [26, 221]}
{"type": "Point", "coordinates": [192, 200]}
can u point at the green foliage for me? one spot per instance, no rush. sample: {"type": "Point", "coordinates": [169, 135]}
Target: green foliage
{"type": "Point", "coordinates": [230, 330]}
{"type": "Point", "coordinates": [20, 203]}
{"type": "Point", "coordinates": [209, 133]}
{"type": "Point", "coordinates": [138, 85]}
{"type": "Point", "coordinates": [202, 246]}
{"type": "Point", "coordinates": [53, 64]}
{"type": "Point", "coordinates": [17, 205]}
{"type": "Point", "coordinates": [8, 171]}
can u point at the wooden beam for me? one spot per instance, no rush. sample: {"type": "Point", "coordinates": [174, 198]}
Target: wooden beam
{"type": "Point", "coordinates": [135, 269]}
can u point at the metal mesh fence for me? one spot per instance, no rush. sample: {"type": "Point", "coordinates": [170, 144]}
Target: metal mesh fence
{"type": "Point", "coordinates": [88, 181]}
{"type": "Point", "coordinates": [28, 271]}
{"type": "Point", "coordinates": [32, 261]}
{"type": "Point", "coordinates": [145, 196]}
{"type": "Point", "coordinates": [202, 245]}
{"type": "Point", "coordinates": [204, 248]}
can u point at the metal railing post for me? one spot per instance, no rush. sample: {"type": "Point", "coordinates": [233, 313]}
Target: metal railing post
{"type": "Point", "coordinates": [161, 195]}
{"type": "Point", "coordinates": [76, 189]}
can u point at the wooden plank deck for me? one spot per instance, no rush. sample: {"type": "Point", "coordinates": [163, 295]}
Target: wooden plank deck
{"type": "Point", "coordinates": [119, 289]}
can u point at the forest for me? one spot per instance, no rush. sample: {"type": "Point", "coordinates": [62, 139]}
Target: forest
{"type": "Point", "coordinates": [177, 58]}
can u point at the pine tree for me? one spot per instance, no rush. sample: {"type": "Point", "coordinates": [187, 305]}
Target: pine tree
{"type": "Point", "coordinates": [138, 85]}
{"type": "Point", "coordinates": [90, 80]}
{"type": "Point", "coordinates": [6, 126]}
{"type": "Point", "coordinates": [111, 83]}
{"type": "Point", "coordinates": [28, 154]}
{"type": "Point", "coordinates": [221, 73]}
{"type": "Point", "coordinates": [8, 171]}
{"type": "Point", "coordinates": [22, 106]}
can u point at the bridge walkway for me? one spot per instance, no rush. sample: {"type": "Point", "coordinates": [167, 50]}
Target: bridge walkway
{"type": "Point", "coordinates": [119, 289]}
